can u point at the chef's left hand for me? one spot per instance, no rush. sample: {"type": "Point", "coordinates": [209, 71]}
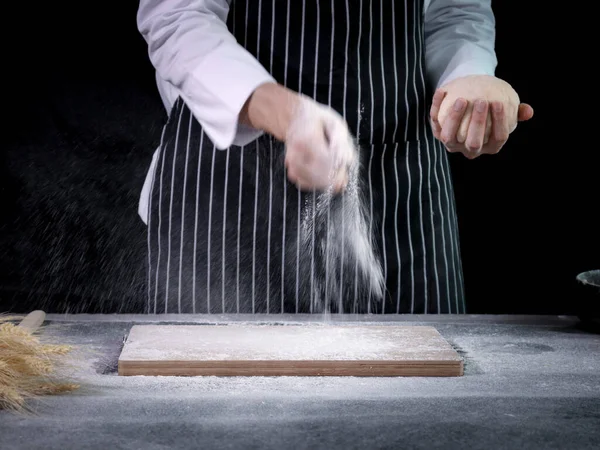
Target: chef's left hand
{"type": "Point", "coordinates": [475, 114]}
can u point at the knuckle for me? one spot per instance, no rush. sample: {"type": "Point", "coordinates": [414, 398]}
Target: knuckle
{"type": "Point", "coordinates": [446, 137]}
{"type": "Point", "coordinates": [472, 147]}
{"type": "Point", "coordinates": [479, 118]}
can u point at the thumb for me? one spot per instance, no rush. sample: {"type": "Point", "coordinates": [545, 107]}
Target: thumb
{"type": "Point", "coordinates": [525, 112]}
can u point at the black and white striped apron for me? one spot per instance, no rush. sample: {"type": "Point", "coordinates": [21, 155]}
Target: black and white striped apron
{"type": "Point", "coordinates": [224, 225]}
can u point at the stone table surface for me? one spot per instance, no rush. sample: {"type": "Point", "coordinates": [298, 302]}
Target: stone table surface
{"type": "Point", "coordinates": [530, 382]}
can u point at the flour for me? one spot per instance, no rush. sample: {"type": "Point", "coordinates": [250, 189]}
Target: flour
{"type": "Point", "coordinates": [336, 228]}
{"type": "Point", "coordinates": [293, 343]}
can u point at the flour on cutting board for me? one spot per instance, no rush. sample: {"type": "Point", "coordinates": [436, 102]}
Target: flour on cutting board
{"type": "Point", "coordinates": [242, 342]}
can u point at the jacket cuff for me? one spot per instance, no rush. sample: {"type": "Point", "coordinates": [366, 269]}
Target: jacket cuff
{"type": "Point", "coordinates": [218, 90]}
{"type": "Point", "coordinates": [469, 60]}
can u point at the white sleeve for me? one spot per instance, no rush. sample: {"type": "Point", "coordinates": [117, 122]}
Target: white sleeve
{"type": "Point", "coordinates": [459, 39]}
{"type": "Point", "coordinates": [191, 48]}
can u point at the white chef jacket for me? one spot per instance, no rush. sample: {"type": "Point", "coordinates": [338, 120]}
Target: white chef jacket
{"type": "Point", "coordinates": [198, 59]}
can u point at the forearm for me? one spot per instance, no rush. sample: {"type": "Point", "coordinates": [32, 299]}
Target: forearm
{"type": "Point", "coordinates": [270, 108]}
{"type": "Point", "coordinates": [459, 40]}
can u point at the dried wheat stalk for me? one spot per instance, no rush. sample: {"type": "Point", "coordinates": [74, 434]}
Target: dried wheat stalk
{"type": "Point", "coordinates": [28, 367]}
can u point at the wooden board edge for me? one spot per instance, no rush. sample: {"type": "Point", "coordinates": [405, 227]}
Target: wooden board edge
{"type": "Point", "coordinates": [292, 368]}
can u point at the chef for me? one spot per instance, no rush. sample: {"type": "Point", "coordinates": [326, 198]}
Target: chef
{"type": "Point", "coordinates": [270, 102]}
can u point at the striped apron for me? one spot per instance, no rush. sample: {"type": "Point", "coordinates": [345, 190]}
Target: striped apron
{"type": "Point", "coordinates": [224, 225]}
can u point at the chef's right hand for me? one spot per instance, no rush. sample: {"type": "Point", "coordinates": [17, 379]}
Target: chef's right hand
{"type": "Point", "coordinates": [319, 146]}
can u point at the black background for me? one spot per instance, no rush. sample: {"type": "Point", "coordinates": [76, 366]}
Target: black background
{"type": "Point", "coordinates": [84, 118]}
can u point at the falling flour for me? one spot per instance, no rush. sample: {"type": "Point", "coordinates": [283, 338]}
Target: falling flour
{"type": "Point", "coordinates": [336, 228]}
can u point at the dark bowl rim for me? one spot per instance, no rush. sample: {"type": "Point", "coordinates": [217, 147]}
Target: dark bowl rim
{"type": "Point", "coordinates": [590, 278]}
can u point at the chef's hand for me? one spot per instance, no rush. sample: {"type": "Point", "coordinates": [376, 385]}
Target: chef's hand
{"type": "Point", "coordinates": [319, 146]}
{"type": "Point", "coordinates": [475, 115]}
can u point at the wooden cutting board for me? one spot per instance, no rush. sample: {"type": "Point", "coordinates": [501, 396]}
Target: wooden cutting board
{"type": "Point", "coordinates": [288, 350]}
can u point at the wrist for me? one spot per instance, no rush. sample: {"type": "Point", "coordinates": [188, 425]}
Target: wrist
{"type": "Point", "coordinates": [270, 108]}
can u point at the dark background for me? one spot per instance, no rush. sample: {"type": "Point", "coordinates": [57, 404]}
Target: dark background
{"type": "Point", "coordinates": [84, 118]}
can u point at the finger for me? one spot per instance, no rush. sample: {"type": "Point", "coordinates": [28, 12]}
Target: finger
{"type": "Point", "coordinates": [292, 176]}
{"type": "Point", "coordinates": [500, 129]}
{"type": "Point", "coordinates": [310, 156]}
{"type": "Point", "coordinates": [437, 129]}
{"type": "Point", "coordinates": [452, 122]}
{"type": "Point", "coordinates": [306, 181]}
{"type": "Point", "coordinates": [463, 128]}
{"type": "Point", "coordinates": [311, 178]}
{"type": "Point", "coordinates": [339, 142]}
{"type": "Point", "coordinates": [298, 171]}
{"type": "Point", "coordinates": [454, 148]}
{"type": "Point", "coordinates": [488, 126]}
{"type": "Point", "coordinates": [477, 126]}
{"type": "Point", "coordinates": [525, 112]}
{"type": "Point", "coordinates": [436, 104]}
